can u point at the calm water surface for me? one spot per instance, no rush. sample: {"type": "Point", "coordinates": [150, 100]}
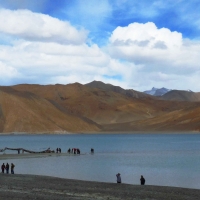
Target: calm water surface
{"type": "Point", "coordinates": [167, 159]}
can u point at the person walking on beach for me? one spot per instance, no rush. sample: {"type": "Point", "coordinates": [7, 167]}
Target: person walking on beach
{"type": "Point", "coordinates": [12, 168]}
{"type": "Point", "coordinates": [7, 168]}
{"type": "Point", "coordinates": [3, 168]}
{"type": "Point", "coordinates": [118, 178]}
{"type": "Point", "coordinates": [142, 180]}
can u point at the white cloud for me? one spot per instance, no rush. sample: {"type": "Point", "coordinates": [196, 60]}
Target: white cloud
{"type": "Point", "coordinates": [144, 40]}
{"type": "Point", "coordinates": [37, 55]}
{"type": "Point", "coordinates": [39, 61]}
{"type": "Point", "coordinates": [139, 56]}
{"type": "Point", "coordinates": [160, 51]}
{"type": "Point", "coordinates": [31, 26]}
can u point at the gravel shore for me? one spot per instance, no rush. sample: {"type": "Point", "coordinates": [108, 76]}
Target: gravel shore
{"type": "Point", "coordinates": [28, 187]}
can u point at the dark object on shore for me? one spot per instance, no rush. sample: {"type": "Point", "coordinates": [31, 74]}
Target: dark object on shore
{"type": "Point", "coordinates": [118, 178]}
{"type": "Point", "coordinates": [142, 180]}
{"type": "Point", "coordinates": [92, 150]}
{"type": "Point", "coordinates": [69, 150]}
{"type": "Point", "coordinates": [27, 151]}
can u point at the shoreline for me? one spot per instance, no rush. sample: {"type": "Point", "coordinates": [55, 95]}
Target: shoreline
{"type": "Point", "coordinates": [49, 188]}
{"type": "Point", "coordinates": [33, 155]}
{"type": "Point", "coordinates": [100, 132]}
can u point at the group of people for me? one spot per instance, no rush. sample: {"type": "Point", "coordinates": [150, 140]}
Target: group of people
{"type": "Point", "coordinates": [77, 151]}
{"type": "Point", "coordinates": [119, 180]}
{"type": "Point", "coordinates": [74, 151]}
{"type": "Point", "coordinates": [58, 150]}
{"type": "Point", "coordinates": [7, 167]}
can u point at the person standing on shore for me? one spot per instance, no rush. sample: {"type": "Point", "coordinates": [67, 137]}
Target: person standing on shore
{"type": "Point", "coordinates": [118, 178]}
{"type": "Point", "coordinates": [142, 180]}
{"type": "Point", "coordinates": [92, 150]}
{"type": "Point", "coordinates": [12, 168]}
{"type": "Point", "coordinates": [78, 151]}
{"type": "Point", "coordinates": [7, 168]}
{"type": "Point", "coordinates": [3, 168]}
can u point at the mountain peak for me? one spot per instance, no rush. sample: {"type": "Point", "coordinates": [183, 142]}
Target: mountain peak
{"type": "Point", "coordinates": [157, 91]}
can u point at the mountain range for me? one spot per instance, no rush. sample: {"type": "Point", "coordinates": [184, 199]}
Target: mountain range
{"type": "Point", "coordinates": [95, 107]}
{"type": "Point", "coordinates": [157, 91]}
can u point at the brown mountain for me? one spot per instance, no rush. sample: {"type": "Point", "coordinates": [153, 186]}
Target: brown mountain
{"type": "Point", "coordinates": [180, 95]}
{"type": "Point", "coordinates": [117, 89]}
{"type": "Point", "coordinates": [22, 111]}
{"type": "Point", "coordinates": [184, 120]}
{"type": "Point", "coordinates": [80, 108]}
{"type": "Point", "coordinates": [95, 104]}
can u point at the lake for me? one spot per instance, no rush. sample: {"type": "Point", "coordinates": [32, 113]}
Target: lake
{"type": "Point", "coordinates": [163, 159]}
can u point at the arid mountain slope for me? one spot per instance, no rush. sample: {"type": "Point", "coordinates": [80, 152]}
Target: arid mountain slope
{"type": "Point", "coordinates": [79, 108]}
{"type": "Point", "coordinates": [26, 112]}
{"type": "Point", "coordinates": [104, 107]}
{"type": "Point", "coordinates": [98, 105]}
{"type": "Point", "coordinates": [178, 120]}
{"type": "Point", "coordinates": [180, 95]}
{"type": "Point", "coordinates": [117, 89]}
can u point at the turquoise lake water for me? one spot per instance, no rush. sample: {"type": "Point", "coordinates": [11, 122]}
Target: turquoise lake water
{"type": "Point", "coordinates": [166, 159]}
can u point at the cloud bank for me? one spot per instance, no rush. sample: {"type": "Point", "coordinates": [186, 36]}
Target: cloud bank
{"type": "Point", "coordinates": [163, 54]}
{"type": "Point", "coordinates": [27, 25]}
{"type": "Point", "coordinates": [46, 50]}
{"type": "Point", "coordinates": [41, 49]}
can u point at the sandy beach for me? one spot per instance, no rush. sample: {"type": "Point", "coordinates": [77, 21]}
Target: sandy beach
{"type": "Point", "coordinates": [23, 187]}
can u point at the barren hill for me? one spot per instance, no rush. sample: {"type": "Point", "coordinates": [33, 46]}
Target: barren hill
{"type": "Point", "coordinates": [22, 111]}
{"type": "Point", "coordinates": [180, 95]}
{"type": "Point", "coordinates": [117, 89]}
{"type": "Point", "coordinates": [80, 108]}
{"type": "Point", "coordinates": [184, 120]}
{"type": "Point", "coordinates": [95, 104]}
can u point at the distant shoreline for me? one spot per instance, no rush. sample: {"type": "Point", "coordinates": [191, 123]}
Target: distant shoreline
{"type": "Point", "coordinates": [101, 132]}
{"type": "Point", "coordinates": [33, 155]}
{"type": "Point", "coordinates": [43, 187]}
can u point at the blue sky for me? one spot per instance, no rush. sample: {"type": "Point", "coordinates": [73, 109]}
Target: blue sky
{"type": "Point", "coordinates": [130, 43]}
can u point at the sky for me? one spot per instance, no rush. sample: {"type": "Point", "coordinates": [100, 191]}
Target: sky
{"type": "Point", "coordinates": [133, 44]}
